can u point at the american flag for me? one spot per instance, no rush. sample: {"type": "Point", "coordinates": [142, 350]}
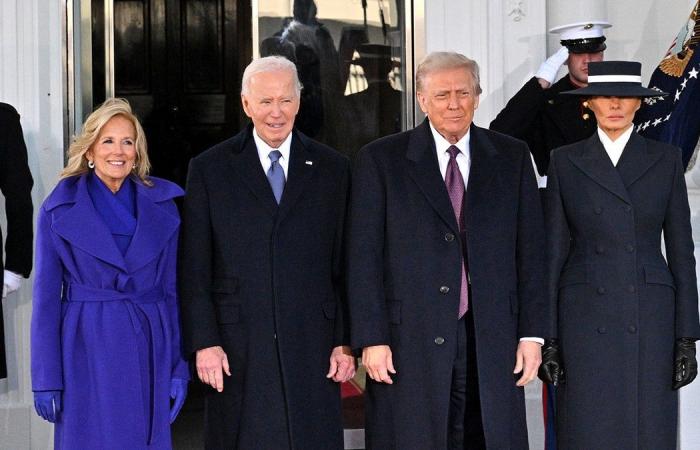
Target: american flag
{"type": "Point", "coordinates": [676, 118]}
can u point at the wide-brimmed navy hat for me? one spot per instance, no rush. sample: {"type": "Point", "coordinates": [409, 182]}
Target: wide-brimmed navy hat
{"type": "Point", "coordinates": [615, 79]}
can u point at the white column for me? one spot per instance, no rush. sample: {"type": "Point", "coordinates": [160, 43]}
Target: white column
{"type": "Point", "coordinates": [31, 79]}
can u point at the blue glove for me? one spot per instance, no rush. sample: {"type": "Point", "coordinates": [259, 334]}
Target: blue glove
{"type": "Point", "coordinates": [48, 404]}
{"type": "Point", "coordinates": [178, 392]}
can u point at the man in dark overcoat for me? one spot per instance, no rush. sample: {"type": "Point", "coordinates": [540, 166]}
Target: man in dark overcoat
{"type": "Point", "coordinates": [261, 276]}
{"type": "Point", "coordinates": [537, 113]}
{"type": "Point", "coordinates": [445, 274]}
{"type": "Point", "coordinates": [16, 186]}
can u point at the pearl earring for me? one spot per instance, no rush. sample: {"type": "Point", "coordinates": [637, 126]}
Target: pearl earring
{"type": "Point", "coordinates": [91, 164]}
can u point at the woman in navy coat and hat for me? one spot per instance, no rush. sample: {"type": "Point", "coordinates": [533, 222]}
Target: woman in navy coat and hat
{"type": "Point", "coordinates": [626, 316]}
{"type": "Point", "coordinates": [106, 356]}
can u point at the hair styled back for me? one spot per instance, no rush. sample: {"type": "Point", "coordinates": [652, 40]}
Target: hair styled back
{"type": "Point", "coordinates": [269, 64]}
{"type": "Point", "coordinates": [77, 160]}
{"type": "Point", "coordinates": [437, 61]}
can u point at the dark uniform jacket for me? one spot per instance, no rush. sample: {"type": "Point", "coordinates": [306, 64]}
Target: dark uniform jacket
{"type": "Point", "coordinates": [545, 119]}
{"type": "Point", "coordinates": [265, 282]}
{"type": "Point", "coordinates": [618, 304]}
{"type": "Point", "coordinates": [16, 186]}
{"type": "Point", "coordinates": [404, 279]}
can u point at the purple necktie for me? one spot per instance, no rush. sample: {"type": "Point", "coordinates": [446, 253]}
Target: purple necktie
{"type": "Point", "coordinates": [455, 188]}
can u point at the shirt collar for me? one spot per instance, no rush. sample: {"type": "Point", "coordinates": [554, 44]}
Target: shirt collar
{"type": "Point", "coordinates": [620, 142]}
{"type": "Point", "coordinates": [264, 149]}
{"type": "Point", "coordinates": [442, 144]}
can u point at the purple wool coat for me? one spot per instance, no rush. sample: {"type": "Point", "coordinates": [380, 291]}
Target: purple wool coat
{"type": "Point", "coordinates": [105, 327]}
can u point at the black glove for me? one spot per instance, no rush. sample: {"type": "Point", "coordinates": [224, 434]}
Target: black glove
{"type": "Point", "coordinates": [685, 366]}
{"type": "Point", "coordinates": [552, 368]}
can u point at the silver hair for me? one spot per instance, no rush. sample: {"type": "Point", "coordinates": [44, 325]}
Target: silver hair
{"type": "Point", "coordinates": [436, 61]}
{"type": "Point", "coordinates": [269, 64]}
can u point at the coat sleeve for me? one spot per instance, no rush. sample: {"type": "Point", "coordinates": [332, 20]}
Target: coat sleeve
{"type": "Point", "coordinates": [179, 367]}
{"type": "Point", "coordinates": [557, 247]}
{"type": "Point", "coordinates": [47, 367]}
{"type": "Point", "coordinates": [530, 256]}
{"type": "Point", "coordinates": [678, 237]}
{"type": "Point", "coordinates": [342, 322]}
{"type": "Point", "coordinates": [368, 312]}
{"type": "Point", "coordinates": [199, 325]}
{"type": "Point", "coordinates": [16, 185]}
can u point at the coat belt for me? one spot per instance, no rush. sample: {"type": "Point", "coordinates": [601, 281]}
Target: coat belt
{"type": "Point", "coordinates": [81, 293]}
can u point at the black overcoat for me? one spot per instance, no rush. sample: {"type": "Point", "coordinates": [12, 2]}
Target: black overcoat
{"type": "Point", "coordinates": [620, 304]}
{"type": "Point", "coordinates": [545, 119]}
{"type": "Point", "coordinates": [16, 186]}
{"type": "Point", "coordinates": [265, 283]}
{"type": "Point", "coordinates": [404, 282]}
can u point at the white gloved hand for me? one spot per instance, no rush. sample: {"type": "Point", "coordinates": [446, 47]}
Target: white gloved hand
{"type": "Point", "coordinates": [548, 70]}
{"type": "Point", "coordinates": [11, 282]}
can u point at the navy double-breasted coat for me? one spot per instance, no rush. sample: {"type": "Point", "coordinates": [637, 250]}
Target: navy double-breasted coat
{"type": "Point", "coordinates": [618, 304]}
{"type": "Point", "coordinates": [404, 282]}
{"type": "Point", "coordinates": [265, 282]}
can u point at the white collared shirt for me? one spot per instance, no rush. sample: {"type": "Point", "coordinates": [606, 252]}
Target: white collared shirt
{"type": "Point", "coordinates": [615, 148]}
{"type": "Point", "coordinates": [264, 150]}
{"type": "Point", "coordinates": [463, 158]}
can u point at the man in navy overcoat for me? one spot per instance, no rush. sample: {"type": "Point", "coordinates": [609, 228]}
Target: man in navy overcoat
{"type": "Point", "coordinates": [421, 249]}
{"type": "Point", "coordinates": [261, 276]}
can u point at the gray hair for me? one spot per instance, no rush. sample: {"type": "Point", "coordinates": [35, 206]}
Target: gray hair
{"type": "Point", "coordinates": [436, 61]}
{"type": "Point", "coordinates": [269, 64]}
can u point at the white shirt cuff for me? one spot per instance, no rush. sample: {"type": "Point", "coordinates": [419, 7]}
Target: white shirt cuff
{"type": "Point", "coordinates": [532, 339]}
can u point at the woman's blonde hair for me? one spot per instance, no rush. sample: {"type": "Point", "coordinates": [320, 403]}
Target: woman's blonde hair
{"type": "Point", "coordinates": [77, 160]}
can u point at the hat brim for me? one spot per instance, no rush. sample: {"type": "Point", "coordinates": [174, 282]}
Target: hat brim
{"type": "Point", "coordinates": [592, 47]}
{"type": "Point", "coordinates": [615, 90]}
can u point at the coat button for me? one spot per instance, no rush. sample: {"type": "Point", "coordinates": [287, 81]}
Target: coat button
{"type": "Point", "coordinates": [444, 289]}
{"type": "Point", "coordinates": [628, 208]}
{"type": "Point", "coordinates": [631, 288]}
{"type": "Point", "coordinates": [602, 330]}
{"type": "Point", "coordinates": [439, 340]}
{"type": "Point", "coordinates": [630, 248]}
{"type": "Point", "coordinates": [599, 249]}
{"type": "Point", "coordinates": [598, 210]}
{"type": "Point", "coordinates": [601, 290]}
{"type": "Point", "coordinates": [449, 237]}
{"type": "Point", "coordinates": [632, 329]}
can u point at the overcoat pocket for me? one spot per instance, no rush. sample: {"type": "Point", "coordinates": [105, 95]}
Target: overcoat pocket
{"type": "Point", "coordinates": [658, 275]}
{"type": "Point", "coordinates": [228, 314]}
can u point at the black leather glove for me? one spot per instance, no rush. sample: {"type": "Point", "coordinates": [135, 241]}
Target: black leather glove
{"type": "Point", "coordinates": [685, 366]}
{"type": "Point", "coordinates": [552, 368]}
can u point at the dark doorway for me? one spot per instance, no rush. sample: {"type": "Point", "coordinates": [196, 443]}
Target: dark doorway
{"type": "Point", "coordinates": [179, 63]}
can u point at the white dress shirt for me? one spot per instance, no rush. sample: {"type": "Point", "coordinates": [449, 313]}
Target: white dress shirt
{"type": "Point", "coordinates": [615, 148]}
{"type": "Point", "coordinates": [464, 163]}
{"type": "Point", "coordinates": [264, 150]}
{"type": "Point", "coordinates": [463, 158]}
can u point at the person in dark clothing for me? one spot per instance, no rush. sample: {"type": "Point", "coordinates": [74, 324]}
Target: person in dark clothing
{"type": "Point", "coordinates": [16, 186]}
{"type": "Point", "coordinates": [537, 113]}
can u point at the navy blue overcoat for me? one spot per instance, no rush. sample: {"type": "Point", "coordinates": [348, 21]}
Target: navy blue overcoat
{"type": "Point", "coordinates": [618, 305]}
{"type": "Point", "coordinates": [265, 282]}
{"type": "Point", "coordinates": [404, 281]}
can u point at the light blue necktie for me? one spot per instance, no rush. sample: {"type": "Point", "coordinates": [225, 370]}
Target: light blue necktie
{"type": "Point", "coordinates": [275, 175]}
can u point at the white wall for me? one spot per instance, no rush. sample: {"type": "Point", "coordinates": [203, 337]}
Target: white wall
{"type": "Point", "coordinates": [31, 80]}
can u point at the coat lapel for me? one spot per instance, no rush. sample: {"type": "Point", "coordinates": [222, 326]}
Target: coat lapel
{"type": "Point", "coordinates": [246, 164]}
{"type": "Point", "coordinates": [301, 166]}
{"type": "Point", "coordinates": [154, 229]}
{"type": "Point", "coordinates": [484, 165]}
{"type": "Point", "coordinates": [636, 159]}
{"type": "Point", "coordinates": [423, 168]}
{"type": "Point", "coordinates": [595, 163]}
{"type": "Point", "coordinates": [83, 228]}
